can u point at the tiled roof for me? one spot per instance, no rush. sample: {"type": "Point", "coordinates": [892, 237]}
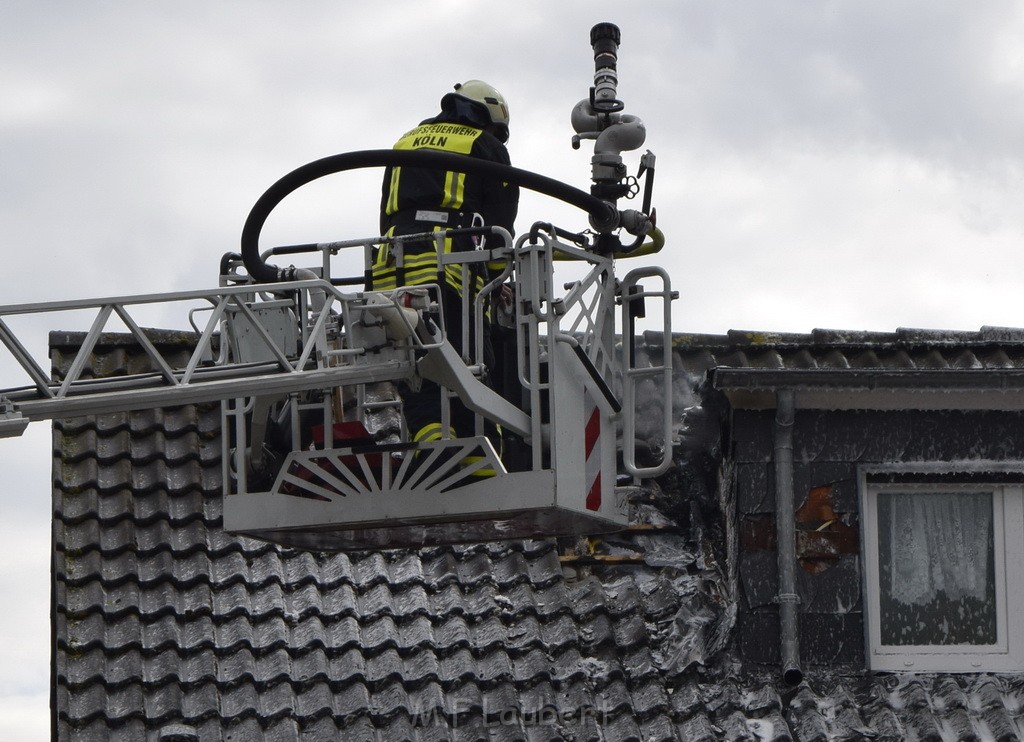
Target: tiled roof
{"type": "Point", "coordinates": [987, 348]}
{"type": "Point", "coordinates": [168, 628]}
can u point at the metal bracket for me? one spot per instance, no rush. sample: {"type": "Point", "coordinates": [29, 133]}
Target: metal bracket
{"type": "Point", "coordinates": [12, 422]}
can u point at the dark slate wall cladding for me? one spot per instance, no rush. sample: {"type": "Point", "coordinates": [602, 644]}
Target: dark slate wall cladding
{"type": "Point", "coordinates": [829, 446]}
{"type": "Point", "coordinates": [913, 435]}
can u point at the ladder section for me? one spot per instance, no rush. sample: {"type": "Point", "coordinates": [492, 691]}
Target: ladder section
{"type": "Point", "coordinates": [250, 341]}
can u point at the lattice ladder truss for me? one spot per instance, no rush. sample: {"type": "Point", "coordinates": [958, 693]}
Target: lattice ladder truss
{"type": "Point", "coordinates": [212, 372]}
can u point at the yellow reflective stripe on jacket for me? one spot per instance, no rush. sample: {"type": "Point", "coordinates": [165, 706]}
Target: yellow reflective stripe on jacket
{"type": "Point", "coordinates": [454, 190]}
{"type": "Point", "coordinates": [420, 264]}
{"type": "Point", "coordinates": [447, 137]}
{"type": "Point", "coordinates": [386, 279]}
{"type": "Point", "coordinates": [453, 277]}
{"type": "Point", "coordinates": [396, 174]}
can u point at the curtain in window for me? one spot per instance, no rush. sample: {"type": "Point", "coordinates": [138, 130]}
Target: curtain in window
{"type": "Point", "coordinates": [939, 543]}
{"type": "Point", "coordinates": [936, 568]}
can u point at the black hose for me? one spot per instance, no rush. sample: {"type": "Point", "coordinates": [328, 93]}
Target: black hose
{"type": "Point", "coordinates": [604, 214]}
{"type": "Point", "coordinates": [574, 237]}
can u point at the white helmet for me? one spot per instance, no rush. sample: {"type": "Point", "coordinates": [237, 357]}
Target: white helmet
{"type": "Point", "coordinates": [486, 98]}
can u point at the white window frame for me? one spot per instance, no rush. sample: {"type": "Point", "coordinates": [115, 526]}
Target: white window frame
{"type": "Point", "coordinates": [1007, 653]}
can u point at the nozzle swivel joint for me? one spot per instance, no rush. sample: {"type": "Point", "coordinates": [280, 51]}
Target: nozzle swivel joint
{"type": "Point", "coordinates": [600, 118]}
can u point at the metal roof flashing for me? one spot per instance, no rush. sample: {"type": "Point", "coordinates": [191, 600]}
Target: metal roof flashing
{"type": "Point", "coordinates": [878, 389]}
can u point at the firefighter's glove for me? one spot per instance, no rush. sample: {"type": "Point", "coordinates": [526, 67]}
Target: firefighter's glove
{"type": "Point", "coordinates": [504, 307]}
{"type": "Point", "coordinates": [507, 295]}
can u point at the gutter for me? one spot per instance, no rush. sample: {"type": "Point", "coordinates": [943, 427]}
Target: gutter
{"type": "Point", "coordinates": [868, 379]}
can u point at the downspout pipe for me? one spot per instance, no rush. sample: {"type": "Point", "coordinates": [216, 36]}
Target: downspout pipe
{"type": "Point", "coordinates": [785, 529]}
{"type": "Point", "coordinates": [604, 215]}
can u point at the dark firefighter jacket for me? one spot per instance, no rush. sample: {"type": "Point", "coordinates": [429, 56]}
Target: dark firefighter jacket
{"type": "Point", "coordinates": [417, 200]}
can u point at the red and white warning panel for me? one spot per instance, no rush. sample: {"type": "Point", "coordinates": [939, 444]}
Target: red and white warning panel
{"type": "Point", "coordinates": [592, 452]}
{"type": "Point", "coordinates": [584, 415]}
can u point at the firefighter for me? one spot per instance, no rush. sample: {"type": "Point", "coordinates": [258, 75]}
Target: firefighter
{"type": "Point", "coordinates": [473, 122]}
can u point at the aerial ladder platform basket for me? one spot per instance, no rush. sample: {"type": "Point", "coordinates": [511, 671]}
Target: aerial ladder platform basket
{"type": "Point", "coordinates": [310, 373]}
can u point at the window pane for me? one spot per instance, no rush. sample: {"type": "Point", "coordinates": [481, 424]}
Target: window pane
{"type": "Point", "coordinates": [936, 568]}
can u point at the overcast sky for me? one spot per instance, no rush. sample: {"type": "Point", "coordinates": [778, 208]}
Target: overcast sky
{"type": "Point", "coordinates": [854, 165]}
